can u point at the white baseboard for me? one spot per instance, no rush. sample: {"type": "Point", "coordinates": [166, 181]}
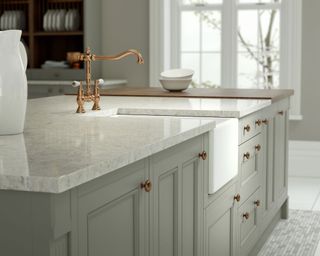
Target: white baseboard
{"type": "Point", "coordinates": [304, 158]}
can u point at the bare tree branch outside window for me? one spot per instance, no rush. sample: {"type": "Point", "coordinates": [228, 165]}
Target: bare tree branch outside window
{"type": "Point", "coordinates": [265, 53]}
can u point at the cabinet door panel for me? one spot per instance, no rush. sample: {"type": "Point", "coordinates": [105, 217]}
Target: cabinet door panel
{"type": "Point", "coordinates": [270, 195]}
{"type": "Point", "coordinates": [175, 216]}
{"type": "Point", "coordinates": [112, 215]}
{"type": "Point", "coordinates": [220, 225]}
{"type": "Point", "coordinates": [113, 227]}
{"type": "Point", "coordinates": [280, 154]}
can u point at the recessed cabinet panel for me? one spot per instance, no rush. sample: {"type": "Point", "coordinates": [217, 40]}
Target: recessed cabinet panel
{"type": "Point", "coordinates": [280, 154]}
{"type": "Point", "coordinates": [220, 225]}
{"type": "Point", "coordinates": [189, 210]}
{"type": "Point", "coordinates": [167, 213]}
{"type": "Point", "coordinates": [113, 227]}
{"type": "Point", "coordinates": [220, 236]}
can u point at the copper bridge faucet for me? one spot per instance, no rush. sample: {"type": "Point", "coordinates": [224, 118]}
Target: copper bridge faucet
{"type": "Point", "coordinates": [94, 96]}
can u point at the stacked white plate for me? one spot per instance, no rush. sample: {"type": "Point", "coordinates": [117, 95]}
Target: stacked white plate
{"type": "Point", "coordinates": [13, 20]}
{"type": "Point", "coordinates": [176, 79]}
{"type": "Point", "coordinates": [61, 20]}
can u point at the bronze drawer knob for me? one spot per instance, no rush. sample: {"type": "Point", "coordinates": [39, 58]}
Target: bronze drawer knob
{"type": "Point", "coordinates": [246, 215]}
{"type": "Point", "coordinates": [246, 155]}
{"type": "Point", "coordinates": [281, 113]}
{"type": "Point", "coordinates": [247, 128]}
{"type": "Point", "coordinates": [257, 203]}
{"type": "Point", "coordinates": [259, 122]}
{"type": "Point", "coordinates": [258, 147]}
{"type": "Point", "coordinates": [265, 121]}
{"type": "Point", "coordinates": [203, 155]}
{"type": "Point", "coordinates": [237, 197]}
{"type": "Point", "coordinates": [147, 185]}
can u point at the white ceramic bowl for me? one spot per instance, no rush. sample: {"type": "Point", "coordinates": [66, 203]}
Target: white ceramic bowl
{"type": "Point", "coordinates": [177, 74]}
{"type": "Point", "coordinates": [175, 85]}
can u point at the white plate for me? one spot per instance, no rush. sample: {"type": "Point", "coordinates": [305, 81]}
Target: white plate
{"type": "Point", "coordinates": [177, 74]}
{"type": "Point", "coordinates": [61, 20]}
{"type": "Point", "coordinates": [175, 85]}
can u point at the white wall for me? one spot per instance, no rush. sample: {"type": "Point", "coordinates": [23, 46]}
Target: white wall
{"type": "Point", "coordinates": [125, 25]}
{"type": "Point", "coordinates": [309, 128]}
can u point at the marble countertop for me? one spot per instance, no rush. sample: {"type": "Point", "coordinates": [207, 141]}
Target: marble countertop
{"type": "Point", "coordinates": [60, 150]}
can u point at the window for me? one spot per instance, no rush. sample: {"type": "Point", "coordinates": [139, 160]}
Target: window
{"type": "Point", "coordinates": [229, 43]}
{"type": "Point", "coordinates": [200, 42]}
{"type": "Point", "coordinates": [258, 44]}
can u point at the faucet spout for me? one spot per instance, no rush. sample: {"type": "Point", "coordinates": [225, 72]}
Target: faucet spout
{"type": "Point", "coordinates": [122, 55]}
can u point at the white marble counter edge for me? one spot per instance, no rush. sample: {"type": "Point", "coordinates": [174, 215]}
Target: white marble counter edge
{"type": "Point", "coordinates": [191, 113]}
{"type": "Point", "coordinates": [86, 174]}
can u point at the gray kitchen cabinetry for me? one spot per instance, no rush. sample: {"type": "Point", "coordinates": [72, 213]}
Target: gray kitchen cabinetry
{"type": "Point", "coordinates": [176, 200]}
{"type": "Point", "coordinates": [153, 205]}
{"type": "Point", "coordinates": [275, 174]}
{"type": "Point", "coordinates": [160, 206]}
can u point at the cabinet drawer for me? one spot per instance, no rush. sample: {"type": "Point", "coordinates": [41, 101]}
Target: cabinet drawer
{"type": "Point", "coordinates": [250, 126]}
{"type": "Point", "coordinates": [249, 219]}
{"type": "Point", "coordinates": [250, 166]}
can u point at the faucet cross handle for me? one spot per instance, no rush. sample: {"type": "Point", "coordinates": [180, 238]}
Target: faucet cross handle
{"type": "Point", "coordinates": [96, 96]}
{"type": "Point", "coordinates": [80, 97]}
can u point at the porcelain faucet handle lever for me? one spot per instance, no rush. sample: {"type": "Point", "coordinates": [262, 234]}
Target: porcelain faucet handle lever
{"type": "Point", "coordinates": [76, 84]}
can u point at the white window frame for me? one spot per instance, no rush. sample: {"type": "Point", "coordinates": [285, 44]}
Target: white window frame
{"type": "Point", "coordinates": [164, 38]}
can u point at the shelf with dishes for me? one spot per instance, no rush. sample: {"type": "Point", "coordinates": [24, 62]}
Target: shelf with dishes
{"type": "Point", "coordinates": [13, 16]}
{"type": "Point", "coordinates": [58, 33]}
{"type": "Point", "coordinates": [46, 25]}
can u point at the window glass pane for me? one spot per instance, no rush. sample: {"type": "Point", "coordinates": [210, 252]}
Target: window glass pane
{"type": "Point", "coordinates": [211, 30]}
{"type": "Point", "coordinates": [259, 43]}
{"type": "Point", "coordinates": [247, 71]}
{"type": "Point", "coordinates": [192, 61]}
{"type": "Point", "coordinates": [211, 70]}
{"type": "Point", "coordinates": [247, 31]}
{"type": "Point", "coordinates": [190, 2]}
{"type": "Point", "coordinates": [258, 1]}
{"type": "Point", "coordinates": [190, 31]}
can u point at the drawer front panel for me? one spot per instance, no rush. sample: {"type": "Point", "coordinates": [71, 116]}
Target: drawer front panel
{"type": "Point", "coordinates": [250, 126]}
{"type": "Point", "coordinates": [249, 215]}
{"type": "Point", "coordinates": [250, 166]}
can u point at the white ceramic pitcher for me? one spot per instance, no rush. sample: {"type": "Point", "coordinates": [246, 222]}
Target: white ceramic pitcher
{"type": "Point", "coordinates": [13, 84]}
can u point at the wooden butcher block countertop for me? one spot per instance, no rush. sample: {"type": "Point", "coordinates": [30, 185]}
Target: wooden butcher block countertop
{"type": "Point", "coordinates": [274, 95]}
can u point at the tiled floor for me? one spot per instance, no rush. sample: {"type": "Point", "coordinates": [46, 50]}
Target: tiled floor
{"type": "Point", "coordinates": [304, 194]}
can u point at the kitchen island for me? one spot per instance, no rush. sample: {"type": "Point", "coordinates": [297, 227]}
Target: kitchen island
{"type": "Point", "coordinates": [132, 179]}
